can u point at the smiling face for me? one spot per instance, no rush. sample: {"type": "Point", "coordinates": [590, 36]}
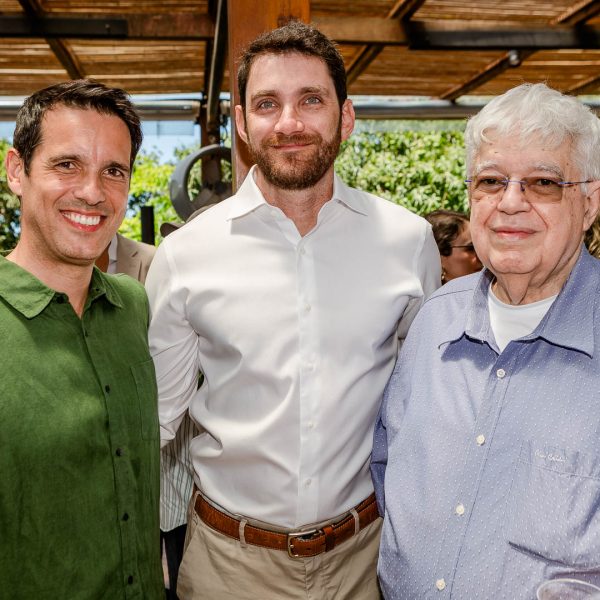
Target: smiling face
{"type": "Point", "coordinates": [535, 243]}
{"type": "Point", "coordinates": [75, 195]}
{"type": "Point", "coordinates": [293, 124]}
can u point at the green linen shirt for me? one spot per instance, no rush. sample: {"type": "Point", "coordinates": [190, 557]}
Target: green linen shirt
{"type": "Point", "coordinates": [79, 443]}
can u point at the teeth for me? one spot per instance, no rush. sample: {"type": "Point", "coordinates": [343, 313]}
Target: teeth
{"type": "Point", "coordinates": [83, 219]}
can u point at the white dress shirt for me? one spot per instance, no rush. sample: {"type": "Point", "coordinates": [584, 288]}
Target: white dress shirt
{"type": "Point", "coordinates": [296, 337]}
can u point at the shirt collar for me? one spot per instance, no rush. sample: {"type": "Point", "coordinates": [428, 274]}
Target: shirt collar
{"type": "Point", "coordinates": [27, 294]}
{"type": "Point", "coordinates": [249, 197]}
{"type": "Point", "coordinates": [569, 322]}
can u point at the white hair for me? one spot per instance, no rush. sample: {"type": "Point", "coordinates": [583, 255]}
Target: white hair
{"type": "Point", "coordinates": [537, 111]}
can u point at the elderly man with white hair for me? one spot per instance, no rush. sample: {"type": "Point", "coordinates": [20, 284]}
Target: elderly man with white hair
{"type": "Point", "coordinates": [487, 449]}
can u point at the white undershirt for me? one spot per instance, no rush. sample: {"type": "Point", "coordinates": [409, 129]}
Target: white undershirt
{"type": "Point", "coordinates": [510, 322]}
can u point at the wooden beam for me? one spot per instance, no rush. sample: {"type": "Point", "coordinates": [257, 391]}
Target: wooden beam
{"type": "Point", "coordinates": [362, 30]}
{"type": "Point", "coordinates": [579, 13]}
{"type": "Point", "coordinates": [362, 59]}
{"type": "Point", "coordinates": [170, 26]}
{"type": "Point", "coordinates": [66, 58]}
{"type": "Point", "coordinates": [588, 86]}
{"type": "Point", "coordinates": [245, 24]}
{"type": "Point", "coordinates": [490, 71]}
{"type": "Point", "coordinates": [402, 11]}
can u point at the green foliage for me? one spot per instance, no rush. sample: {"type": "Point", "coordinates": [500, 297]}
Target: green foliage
{"type": "Point", "coordinates": [9, 207]}
{"type": "Point", "coordinates": [149, 187]}
{"type": "Point", "coordinates": [421, 170]}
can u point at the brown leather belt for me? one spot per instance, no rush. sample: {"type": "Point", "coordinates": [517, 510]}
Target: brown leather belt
{"type": "Point", "coordinates": [298, 544]}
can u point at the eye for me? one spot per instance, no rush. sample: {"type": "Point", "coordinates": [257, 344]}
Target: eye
{"type": "Point", "coordinates": [545, 182]}
{"type": "Point", "coordinates": [487, 183]}
{"type": "Point", "coordinates": [66, 165]}
{"type": "Point", "coordinates": [266, 105]}
{"type": "Point", "coordinates": [313, 100]}
{"type": "Point", "coordinates": [116, 172]}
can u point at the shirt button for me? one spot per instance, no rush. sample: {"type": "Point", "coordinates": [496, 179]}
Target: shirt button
{"type": "Point", "coordinates": [460, 509]}
{"type": "Point", "coordinates": [130, 579]}
{"type": "Point", "coordinates": [311, 425]}
{"type": "Point", "coordinates": [440, 584]}
{"type": "Point", "coordinates": [125, 517]}
{"type": "Point", "coordinates": [60, 299]}
{"type": "Point", "coordinates": [302, 251]}
{"type": "Point", "coordinates": [500, 373]}
{"type": "Point", "coordinates": [107, 388]}
{"type": "Point", "coordinates": [308, 482]}
{"type": "Point", "coordinates": [307, 307]}
{"type": "Point", "coordinates": [480, 439]}
{"type": "Point", "coordinates": [119, 452]}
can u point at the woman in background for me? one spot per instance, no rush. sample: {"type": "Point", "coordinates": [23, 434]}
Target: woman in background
{"type": "Point", "coordinates": [453, 236]}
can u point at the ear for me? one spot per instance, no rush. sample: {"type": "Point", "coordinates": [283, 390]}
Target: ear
{"type": "Point", "coordinates": [348, 118]}
{"type": "Point", "coordinates": [591, 204]}
{"type": "Point", "coordinates": [15, 171]}
{"type": "Point", "coordinates": [240, 122]}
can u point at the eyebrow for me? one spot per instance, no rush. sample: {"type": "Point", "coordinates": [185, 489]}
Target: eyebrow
{"type": "Point", "coordinates": [490, 164]}
{"type": "Point", "coordinates": [313, 89]}
{"type": "Point", "coordinates": [113, 164]}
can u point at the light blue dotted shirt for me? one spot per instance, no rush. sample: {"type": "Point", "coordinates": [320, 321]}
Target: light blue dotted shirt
{"type": "Point", "coordinates": [488, 464]}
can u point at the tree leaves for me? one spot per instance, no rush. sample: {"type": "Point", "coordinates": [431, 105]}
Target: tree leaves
{"type": "Point", "coordinates": [421, 170]}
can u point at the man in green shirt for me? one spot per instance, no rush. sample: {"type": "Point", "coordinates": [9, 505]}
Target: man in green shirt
{"type": "Point", "coordinates": [79, 459]}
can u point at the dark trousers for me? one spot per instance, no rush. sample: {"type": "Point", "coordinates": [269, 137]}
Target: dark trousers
{"type": "Point", "coordinates": [173, 542]}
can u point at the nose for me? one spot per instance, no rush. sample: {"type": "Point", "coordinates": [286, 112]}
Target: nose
{"type": "Point", "coordinates": [513, 199]}
{"type": "Point", "coordinates": [289, 121]}
{"type": "Point", "coordinates": [90, 189]}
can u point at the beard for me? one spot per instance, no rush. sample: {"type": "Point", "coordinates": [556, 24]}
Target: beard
{"type": "Point", "coordinates": [293, 172]}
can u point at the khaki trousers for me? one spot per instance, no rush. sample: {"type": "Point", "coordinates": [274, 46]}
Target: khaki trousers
{"type": "Point", "coordinates": [216, 567]}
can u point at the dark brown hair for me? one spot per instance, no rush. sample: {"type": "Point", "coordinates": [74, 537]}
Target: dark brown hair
{"type": "Point", "coordinates": [80, 93]}
{"type": "Point", "coordinates": [294, 37]}
{"type": "Point", "coordinates": [446, 225]}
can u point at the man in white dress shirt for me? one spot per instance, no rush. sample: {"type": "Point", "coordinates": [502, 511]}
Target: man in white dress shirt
{"type": "Point", "coordinates": [291, 297]}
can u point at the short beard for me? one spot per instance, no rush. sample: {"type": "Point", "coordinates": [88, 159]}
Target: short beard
{"type": "Point", "coordinates": [297, 173]}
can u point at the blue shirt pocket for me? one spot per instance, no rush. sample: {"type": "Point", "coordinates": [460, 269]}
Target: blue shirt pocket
{"type": "Point", "coordinates": [553, 509]}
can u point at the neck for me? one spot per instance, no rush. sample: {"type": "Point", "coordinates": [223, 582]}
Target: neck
{"type": "Point", "coordinates": [71, 279]}
{"type": "Point", "coordinates": [522, 289]}
{"type": "Point", "coordinates": [300, 206]}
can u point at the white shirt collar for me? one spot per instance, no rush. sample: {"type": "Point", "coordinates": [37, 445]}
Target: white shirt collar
{"type": "Point", "coordinates": [252, 197]}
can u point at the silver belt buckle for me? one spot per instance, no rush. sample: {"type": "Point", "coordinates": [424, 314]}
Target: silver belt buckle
{"type": "Point", "coordinates": [298, 534]}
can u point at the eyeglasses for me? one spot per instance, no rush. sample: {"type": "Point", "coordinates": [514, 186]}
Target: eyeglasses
{"type": "Point", "coordinates": [467, 247]}
{"type": "Point", "coordinates": [541, 189]}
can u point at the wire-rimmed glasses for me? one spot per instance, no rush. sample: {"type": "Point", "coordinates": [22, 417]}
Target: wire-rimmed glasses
{"type": "Point", "coordinates": [535, 188]}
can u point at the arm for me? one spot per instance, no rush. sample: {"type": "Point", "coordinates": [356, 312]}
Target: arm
{"type": "Point", "coordinates": [173, 344]}
{"type": "Point", "coordinates": [428, 268]}
{"type": "Point", "coordinates": [379, 456]}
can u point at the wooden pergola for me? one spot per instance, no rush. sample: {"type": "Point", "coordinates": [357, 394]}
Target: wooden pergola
{"type": "Point", "coordinates": [441, 49]}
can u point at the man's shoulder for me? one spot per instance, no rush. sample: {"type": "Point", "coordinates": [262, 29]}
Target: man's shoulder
{"type": "Point", "coordinates": [391, 212]}
{"type": "Point", "coordinates": [452, 298]}
{"type": "Point", "coordinates": [128, 289]}
{"type": "Point", "coordinates": [133, 245]}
